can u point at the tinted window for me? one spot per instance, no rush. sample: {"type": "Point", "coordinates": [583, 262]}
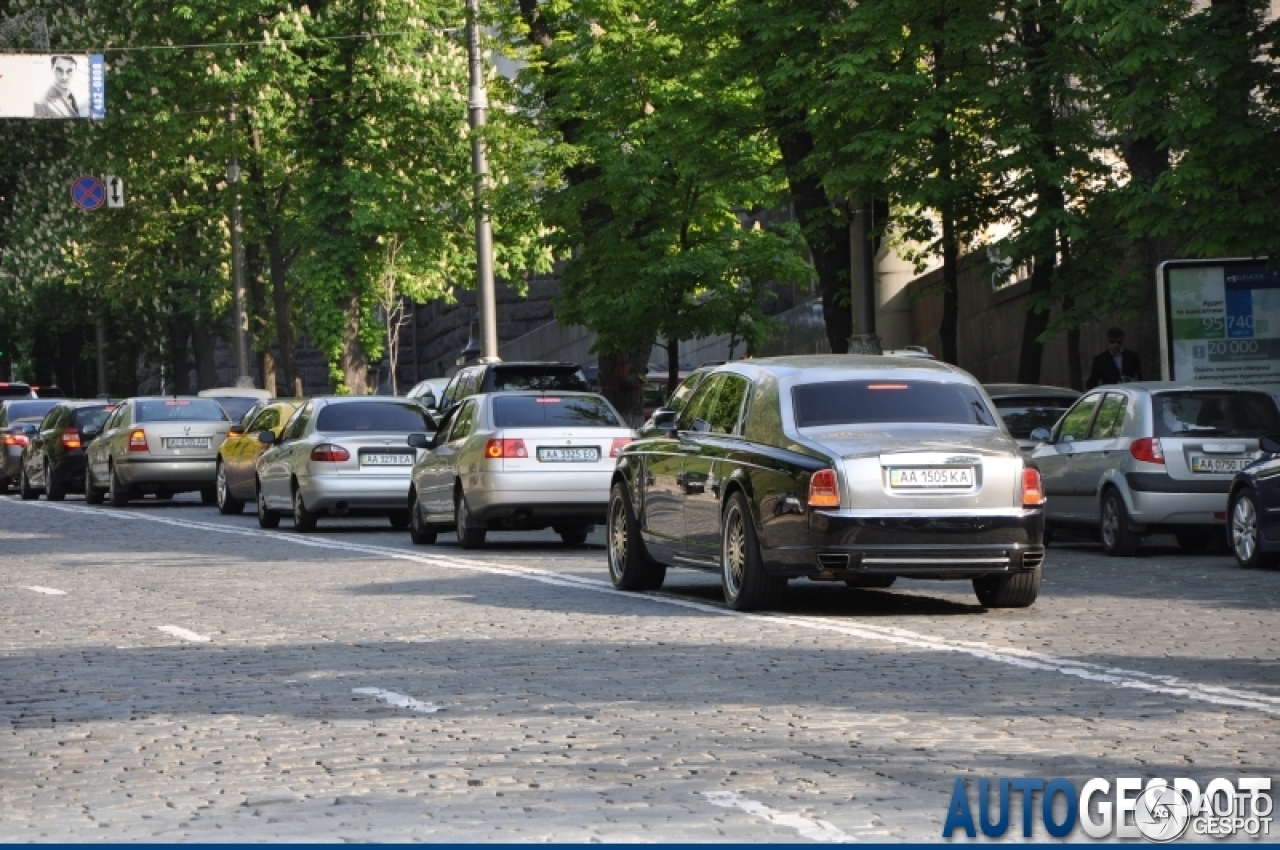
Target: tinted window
{"type": "Point", "coordinates": [1215, 414]}
{"type": "Point", "coordinates": [1024, 415]}
{"type": "Point", "coordinates": [371, 416]}
{"type": "Point", "coordinates": [551, 411]}
{"type": "Point", "coordinates": [538, 378]}
{"type": "Point", "coordinates": [267, 420]}
{"type": "Point", "coordinates": [180, 410]}
{"type": "Point", "coordinates": [697, 416]}
{"type": "Point", "coordinates": [883, 401]}
{"type": "Point", "coordinates": [724, 411]}
{"type": "Point", "coordinates": [29, 409]}
{"type": "Point", "coordinates": [1075, 425]}
{"type": "Point", "coordinates": [1110, 419]}
{"type": "Point", "coordinates": [91, 417]}
{"type": "Point", "coordinates": [685, 391]}
{"type": "Point", "coordinates": [463, 422]}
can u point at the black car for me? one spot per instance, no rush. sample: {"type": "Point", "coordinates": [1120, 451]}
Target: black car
{"type": "Point", "coordinates": [53, 460]}
{"type": "Point", "coordinates": [492, 377]}
{"type": "Point", "coordinates": [854, 469]}
{"type": "Point", "coordinates": [15, 389]}
{"type": "Point", "coordinates": [1253, 509]}
{"type": "Point", "coordinates": [18, 420]}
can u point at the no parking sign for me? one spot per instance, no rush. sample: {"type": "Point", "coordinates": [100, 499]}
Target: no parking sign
{"type": "Point", "coordinates": [88, 193]}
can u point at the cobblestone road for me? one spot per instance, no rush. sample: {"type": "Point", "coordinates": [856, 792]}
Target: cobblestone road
{"type": "Point", "coordinates": [170, 674]}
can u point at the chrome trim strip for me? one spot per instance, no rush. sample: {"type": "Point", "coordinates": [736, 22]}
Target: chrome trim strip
{"type": "Point", "coordinates": [1002, 560]}
{"type": "Point", "coordinates": [712, 564]}
{"type": "Point", "coordinates": [928, 513]}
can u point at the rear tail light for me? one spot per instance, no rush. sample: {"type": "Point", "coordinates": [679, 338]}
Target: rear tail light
{"type": "Point", "coordinates": [71, 439]}
{"type": "Point", "coordinates": [822, 490]}
{"type": "Point", "coordinates": [15, 439]}
{"type": "Point", "coordinates": [137, 440]}
{"type": "Point", "coordinates": [617, 446]}
{"type": "Point", "coordinates": [1147, 449]}
{"type": "Point", "coordinates": [329, 453]}
{"type": "Point", "coordinates": [1032, 490]}
{"type": "Point", "coordinates": [495, 449]}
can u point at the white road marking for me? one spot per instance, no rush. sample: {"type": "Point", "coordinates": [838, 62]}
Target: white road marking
{"type": "Point", "coordinates": [1119, 677]}
{"type": "Point", "coordinates": [48, 591]}
{"type": "Point", "coordinates": [178, 631]}
{"type": "Point", "coordinates": [400, 700]}
{"type": "Point", "coordinates": [811, 828]}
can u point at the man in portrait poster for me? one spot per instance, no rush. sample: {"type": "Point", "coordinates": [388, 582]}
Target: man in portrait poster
{"type": "Point", "coordinates": [67, 92]}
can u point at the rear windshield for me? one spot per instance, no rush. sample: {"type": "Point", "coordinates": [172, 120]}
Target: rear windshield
{"type": "Point", "coordinates": [553, 411]}
{"type": "Point", "coordinates": [876, 402]}
{"type": "Point", "coordinates": [373, 416]}
{"type": "Point", "coordinates": [1024, 415]}
{"type": "Point", "coordinates": [91, 417]}
{"type": "Point", "coordinates": [29, 409]}
{"type": "Point", "coordinates": [15, 391]}
{"type": "Point", "coordinates": [235, 406]}
{"type": "Point", "coordinates": [1215, 414]}
{"type": "Point", "coordinates": [539, 378]}
{"type": "Point", "coordinates": [180, 410]}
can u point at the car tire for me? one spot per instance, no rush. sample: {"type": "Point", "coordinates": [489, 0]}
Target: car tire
{"type": "Point", "coordinates": [228, 505]}
{"type": "Point", "coordinates": [92, 494]}
{"type": "Point", "coordinates": [25, 490]}
{"type": "Point", "coordinates": [469, 536]}
{"type": "Point", "coordinates": [53, 491]}
{"type": "Point", "coordinates": [573, 535]}
{"type": "Point", "coordinates": [1244, 534]}
{"type": "Point", "coordinates": [419, 532]}
{"type": "Point", "coordinates": [267, 518]}
{"type": "Point", "coordinates": [399, 520]}
{"type": "Point", "coordinates": [1195, 540]}
{"type": "Point", "coordinates": [1115, 529]}
{"type": "Point", "coordinates": [303, 519]}
{"type": "Point", "coordinates": [117, 495]}
{"type": "Point", "coordinates": [746, 585]}
{"type": "Point", "coordinates": [870, 582]}
{"type": "Point", "coordinates": [1018, 590]}
{"type": "Point", "coordinates": [631, 567]}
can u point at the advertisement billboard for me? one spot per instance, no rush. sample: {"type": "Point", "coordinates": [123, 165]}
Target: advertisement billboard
{"type": "Point", "coordinates": [53, 85]}
{"type": "Point", "coordinates": [1220, 321]}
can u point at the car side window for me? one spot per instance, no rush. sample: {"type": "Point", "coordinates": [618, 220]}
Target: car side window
{"type": "Point", "coordinates": [50, 420]}
{"type": "Point", "coordinates": [1110, 419]}
{"type": "Point", "coordinates": [680, 398]}
{"type": "Point", "coordinates": [727, 408]}
{"type": "Point", "coordinates": [266, 420]}
{"type": "Point", "coordinates": [463, 423]}
{"type": "Point", "coordinates": [1075, 425]}
{"type": "Point", "coordinates": [297, 423]}
{"type": "Point", "coordinates": [697, 416]}
{"type": "Point", "coordinates": [118, 419]}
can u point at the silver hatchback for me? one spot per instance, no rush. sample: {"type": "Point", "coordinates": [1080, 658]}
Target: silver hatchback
{"type": "Point", "coordinates": [1157, 457]}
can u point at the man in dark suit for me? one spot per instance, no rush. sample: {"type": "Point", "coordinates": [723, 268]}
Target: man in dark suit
{"type": "Point", "coordinates": [1115, 365]}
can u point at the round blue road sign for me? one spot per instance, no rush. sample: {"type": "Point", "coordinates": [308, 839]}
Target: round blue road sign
{"type": "Point", "coordinates": [88, 193]}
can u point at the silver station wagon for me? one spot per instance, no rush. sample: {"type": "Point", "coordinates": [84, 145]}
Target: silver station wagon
{"type": "Point", "coordinates": [854, 469]}
{"type": "Point", "coordinates": [1140, 458]}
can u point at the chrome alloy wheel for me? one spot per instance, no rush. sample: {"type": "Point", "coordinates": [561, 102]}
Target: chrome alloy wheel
{"type": "Point", "coordinates": [220, 484]}
{"type": "Point", "coordinates": [733, 552]}
{"type": "Point", "coordinates": [618, 538]}
{"type": "Point", "coordinates": [1110, 522]}
{"type": "Point", "coordinates": [1244, 529]}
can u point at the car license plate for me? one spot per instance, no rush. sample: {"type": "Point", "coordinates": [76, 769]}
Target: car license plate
{"type": "Point", "coordinates": [929, 478]}
{"type": "Point", "coordinates": [386, 459]}
{"type": "Point", "coordinates": [186, 442]}
{"type": "Point", "coordinates": [585, 455]}
{"type": "Point", "coordinates": [1219, 465]}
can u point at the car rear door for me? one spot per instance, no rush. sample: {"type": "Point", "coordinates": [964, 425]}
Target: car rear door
{"type": "Point", "coordinates": [440, 473]}
{"type": "Point", "coordinates": [1104, 447]}
{"type": "Point", "coordinates": [1055, 460]}
{"type": "Point", "coordinates": [706, 469]}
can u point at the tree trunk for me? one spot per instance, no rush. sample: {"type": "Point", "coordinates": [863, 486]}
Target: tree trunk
{"type": "Point", "coordinates": [622, 381]}
{"type": "Point", "coordinates": [278, 268]}
{"type": "Point", "coordinates": [949, 326]}
{"type": "Point", "coordinates": [179, 365]}
{"type": "Point", "coordinates": [673, 366]}
{"type": "Point", "coordinates": [354, 360]}
{"type": "Point", "coordinates": [203, 344]}
{"type": "Point", "coordinates": [259, 317]}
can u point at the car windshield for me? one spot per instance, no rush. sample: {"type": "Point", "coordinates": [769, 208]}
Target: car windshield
{"type": "Point", "coordinates": [373, 416]}
{"type": "Point", "coordinates": [29, 409]}
{"type": "Point", "coordinates": [1024, 415]}
{"type": "Point", "coordinates": [235, 406]}
{"type": "Point", "coordinates": [91, 417]}
{"type": "Point", "coordinates": [1221, 413]}
{"type": "Point", "coordinates": [180, 410]}
{"type": "Point", "coordinates": [538, 378]}
{"type": "Point", "coordinates": [553, 411]}
{"type": "Point", "coordinates": [889, 400]}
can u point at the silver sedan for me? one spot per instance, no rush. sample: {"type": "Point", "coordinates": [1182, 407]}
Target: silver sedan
{"type": "Point", "coordinates": [517, 461]}
{"type": "Point", "coordinates": [339, 456]}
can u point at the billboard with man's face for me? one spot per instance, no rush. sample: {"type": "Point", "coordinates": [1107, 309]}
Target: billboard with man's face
{"type": "Point", "coordinates": [68, 85]}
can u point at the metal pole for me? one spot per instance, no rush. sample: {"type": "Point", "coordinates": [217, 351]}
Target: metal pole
{"type": "Point", "coordinates": [240, 333]}
{"type": "Point", "coordinates": [478, 113]}
{"type": "Point", "coordinates": [100, 337]}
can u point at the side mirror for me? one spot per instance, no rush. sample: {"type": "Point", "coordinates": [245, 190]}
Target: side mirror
{"type": "Point", "coordinates": [235, 430]}
{"type": "Point", "coordinates": [1270, 445]}
{"type": "Point", "coordinates": [664, 419]}
{"type": "Point", "coordinates": [420, 441]}
{"type": "Point", "coordinates": [266, 437]}
{"type": "Point", "coordinates": [1042, 435]}
{"type": "Point", "coordinates": [88, 433]}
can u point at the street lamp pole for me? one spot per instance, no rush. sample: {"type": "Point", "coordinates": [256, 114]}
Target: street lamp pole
{"type": "Point", "coordinates": [478, 113]}
{"type": "Point", "coordinates": [240, 333]}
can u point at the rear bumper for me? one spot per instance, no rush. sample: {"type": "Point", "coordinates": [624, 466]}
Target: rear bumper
{"type": "Point", "coordinates": [176, 475]}
{"type": "Point", "coordinates": [1157, 499]}
{"type": "Point", "coordinates": [536, 496]}
{"type": "Point", "coordinates": [356, 492]}
{"type": "Point", "coordinates": [847, 544]}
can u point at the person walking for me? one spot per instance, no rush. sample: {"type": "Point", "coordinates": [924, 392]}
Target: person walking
{"type": "Point", "coordinates": [1116, 365]}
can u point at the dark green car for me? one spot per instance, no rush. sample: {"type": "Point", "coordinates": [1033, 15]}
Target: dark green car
{"type": "Point", "coordinates": [53, 460]}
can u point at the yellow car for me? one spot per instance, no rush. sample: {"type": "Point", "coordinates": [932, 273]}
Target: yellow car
{"type": "Point", "coordinates": [239, 452]}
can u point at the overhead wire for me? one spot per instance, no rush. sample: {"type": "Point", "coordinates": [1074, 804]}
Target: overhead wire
{"type": "Point", "coordinates": [219, 45]}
